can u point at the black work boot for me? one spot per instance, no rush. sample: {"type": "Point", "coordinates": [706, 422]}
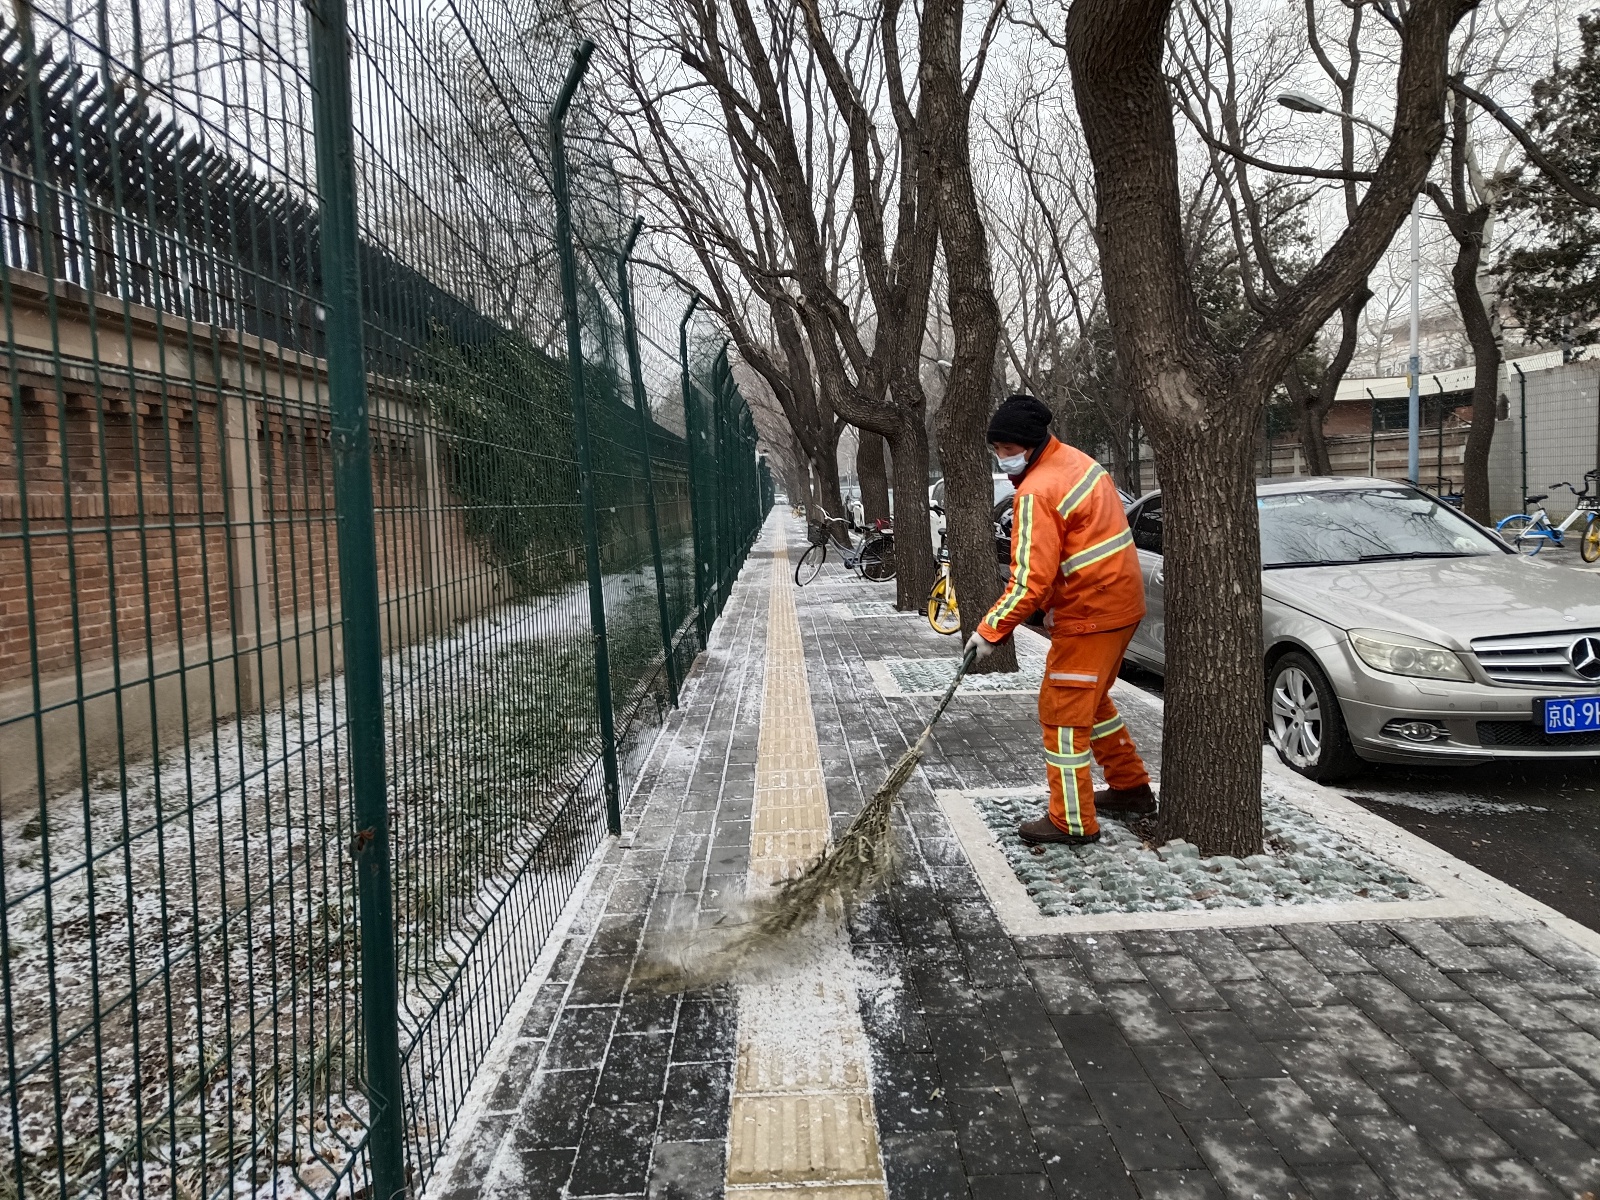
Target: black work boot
{"type": "Point", "coordinates": [1132, 802]}
{"type": "Point", "coordinates": [1044, 830]}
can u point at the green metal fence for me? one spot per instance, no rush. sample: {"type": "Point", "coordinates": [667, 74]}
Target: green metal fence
{"type": "Point", "coordinates": [310, 597]}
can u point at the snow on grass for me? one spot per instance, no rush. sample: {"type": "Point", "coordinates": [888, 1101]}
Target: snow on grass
{"type": "Point", "coordinates": [1305, 863]}
{"type": "Point", "coordinates": [180, 946]}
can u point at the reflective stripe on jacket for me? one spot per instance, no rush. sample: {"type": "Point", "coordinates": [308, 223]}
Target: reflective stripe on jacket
{"type": "Point", "coordinates": [1071, 550]}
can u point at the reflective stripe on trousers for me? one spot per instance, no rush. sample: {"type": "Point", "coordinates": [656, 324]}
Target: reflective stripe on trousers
{"type": "Point", "coordinates": [1067, 755]}
{"type": "Point", "coordinates": [1071, 784]}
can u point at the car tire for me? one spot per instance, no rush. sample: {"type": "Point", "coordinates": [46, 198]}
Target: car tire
{"type": "Point", "coordinates": [1304, 721]}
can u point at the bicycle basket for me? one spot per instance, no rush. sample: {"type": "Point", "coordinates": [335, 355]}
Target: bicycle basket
{"type": "Point", "coordinates": [817, 534]}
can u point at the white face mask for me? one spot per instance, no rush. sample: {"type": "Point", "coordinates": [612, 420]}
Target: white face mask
{"type": "Point", "coordinates": [1012, 464]}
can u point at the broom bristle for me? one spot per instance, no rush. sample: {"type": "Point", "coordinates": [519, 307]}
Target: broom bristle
{"type": "Point", "coordinates": [850, 868]}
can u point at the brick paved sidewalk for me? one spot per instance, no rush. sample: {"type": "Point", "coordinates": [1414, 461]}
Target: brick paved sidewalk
{"type": "Point", "coordinates": [1396, 1058]}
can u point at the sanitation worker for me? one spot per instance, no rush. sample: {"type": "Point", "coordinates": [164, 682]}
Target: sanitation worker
{"type": "Point", "coordinates": [1072, 557]}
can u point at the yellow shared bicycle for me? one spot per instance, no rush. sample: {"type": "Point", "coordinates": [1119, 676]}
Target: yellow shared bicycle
{"type": "Point", "coordinates": [943, 614]}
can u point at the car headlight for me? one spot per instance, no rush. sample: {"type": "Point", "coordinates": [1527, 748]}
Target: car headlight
{"type": "Point", "coordinates": [1398, 654]}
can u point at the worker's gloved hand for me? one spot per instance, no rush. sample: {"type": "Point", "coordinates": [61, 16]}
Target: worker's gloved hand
{"type": "Point", "coordinates": [980, 646]}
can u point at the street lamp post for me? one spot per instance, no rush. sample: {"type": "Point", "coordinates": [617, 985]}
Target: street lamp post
{"type": "Point", "coordinates": [1414, 363]}
{"type": "Point", "coordinates": [1301, 102]}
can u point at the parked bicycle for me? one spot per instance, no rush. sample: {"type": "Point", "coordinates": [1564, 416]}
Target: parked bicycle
{"type": "Point", "coordinates": [1529, 533]}
{"type": "Point", "coordinates": [874, 559]}
{"type": "Point", "coordinates": [943, 614]}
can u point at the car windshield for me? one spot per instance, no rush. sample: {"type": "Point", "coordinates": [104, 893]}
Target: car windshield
{"type": "Point", "coordinates": [1370, 525]}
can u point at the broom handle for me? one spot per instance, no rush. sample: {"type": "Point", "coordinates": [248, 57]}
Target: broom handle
{"type": "Point", "coordinates": [967, 660]}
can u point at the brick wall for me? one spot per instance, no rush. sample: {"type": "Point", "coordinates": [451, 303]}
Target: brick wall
{"type": "Point", "coordinates": [168, 537]}
{"type": "Point", "coordinates": [125, 515]}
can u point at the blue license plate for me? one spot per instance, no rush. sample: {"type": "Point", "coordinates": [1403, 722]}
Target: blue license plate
{"type": "Point", "coordinates": [1574, 714]}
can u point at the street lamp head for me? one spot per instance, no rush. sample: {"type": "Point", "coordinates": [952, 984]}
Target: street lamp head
{"type": "Point", "coordinates": [1301, 102]}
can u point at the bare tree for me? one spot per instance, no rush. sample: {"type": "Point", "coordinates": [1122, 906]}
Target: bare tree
{"type": "Point", "coordinates": [1468, 201]}
{"type": "Point", "coordinates": [969, 393]}
{"type": "Point", "coordinates": [1468, 210]}
{"type": "Point", "coordinates": [1055, 335]}
{"type": "Point", "coordinates": [872, 473]}
{"type": "Point", "coordinates": [798, 106]}
{"type": "Point", "coordinates": [714, 202]}
{"type": "Point", "coordinates": [776, 435]}
{"type": "Point", "coordinates": [1226, 101]}
{"type": "Point", "coordinates": [1202, 403]}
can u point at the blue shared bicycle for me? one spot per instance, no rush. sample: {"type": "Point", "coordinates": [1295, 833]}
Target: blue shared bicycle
{"type": "Point", "coordinates": [1531, 532]}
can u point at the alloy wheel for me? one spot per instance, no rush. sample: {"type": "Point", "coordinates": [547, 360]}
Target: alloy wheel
{"type": "Point", "coordinates": [1296, 718]}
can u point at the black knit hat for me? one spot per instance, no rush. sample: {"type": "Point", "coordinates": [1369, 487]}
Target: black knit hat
{"type": "Point", "coordinates": [1020, 420]}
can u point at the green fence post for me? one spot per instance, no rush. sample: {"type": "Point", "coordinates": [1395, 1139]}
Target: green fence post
{"type": "Point", "coordinates": [360, 618]}
{"type": "Point", "coordinates": [721, 378]}
{"type": "Point", "coordinates": [580, 427]}
{"type": "Point", "coordinates": [641, 405]}
{"type": "Point", "coordinates": [697, 481]}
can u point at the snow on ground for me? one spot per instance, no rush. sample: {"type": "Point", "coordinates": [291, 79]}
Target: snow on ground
{"type": "Point", "coordinates": [905, 677]}
{"type": "Point", "coordinates": [870, 610]}
{"type": "Point", "coordinates": [1305, 863]}
{"type": "Point", "coordinates": [1441, 802]}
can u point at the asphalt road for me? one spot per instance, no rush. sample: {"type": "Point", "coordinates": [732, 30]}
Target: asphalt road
{"type": "Point", "coordinates": [1534, 825]}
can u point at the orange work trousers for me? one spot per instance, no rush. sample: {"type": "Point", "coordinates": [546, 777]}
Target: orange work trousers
{"type": "Point", "coordinates": [1081, 725]}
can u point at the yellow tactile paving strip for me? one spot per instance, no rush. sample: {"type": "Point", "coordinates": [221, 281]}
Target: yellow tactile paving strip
{"type": "Point", "coordinates": [802, 1117]}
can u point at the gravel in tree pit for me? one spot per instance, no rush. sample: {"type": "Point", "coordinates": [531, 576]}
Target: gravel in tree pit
{"type": "Point", "coordinates": [1305, 863]}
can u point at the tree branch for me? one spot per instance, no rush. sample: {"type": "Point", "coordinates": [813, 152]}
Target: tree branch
{"type": "Point", "coordinates": [1538, 157]}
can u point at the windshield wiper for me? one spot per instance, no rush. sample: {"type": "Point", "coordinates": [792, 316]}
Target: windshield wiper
{"type": "Point", "coordinates": [1368, 558]}
{"type": "Point", "coordinates": [1416, 554]}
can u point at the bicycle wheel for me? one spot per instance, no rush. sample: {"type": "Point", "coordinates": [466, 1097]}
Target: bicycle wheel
{"type": "Point", "coordinates": [943, 614]}
{"type": "Point", "coordinates": [1520, 531]}
{"type": "Point", "coordinates": [810, 563]}
{"type": "Point", "coordinates": [1589, 543]}
{"type": "Point", "coordinates": [877, 559]}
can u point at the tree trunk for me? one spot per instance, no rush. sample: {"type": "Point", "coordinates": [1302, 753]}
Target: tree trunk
{"type": "Point", "coordinates": [1313, 444]}
{"type": "Point", "coordinates": [969, 524]}
{"type": "Point", "coordinates": [975, 328]}
{"type": "Point", "coordinates": [1122, 465]}
{"type": "Point", "coordinates": [873, 474]}
{"type": "Point", "coordinates": [1316, 404]}
{"type": "Point", "coordinates": [1214, 689]}
{"type": "Point", "coordinates": [825, 479]}
{"type": "Point", "coordinates": [913, 545]}
{"type": "Point", "coordinates": [1486, 366]}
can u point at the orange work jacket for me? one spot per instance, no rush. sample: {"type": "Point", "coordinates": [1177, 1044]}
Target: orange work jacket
{"type": "Point", "coordinates": [1072, 553]}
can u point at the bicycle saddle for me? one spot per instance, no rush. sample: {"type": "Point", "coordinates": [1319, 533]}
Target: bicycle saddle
{"type": "Point", "coordinates": [1535, 499]}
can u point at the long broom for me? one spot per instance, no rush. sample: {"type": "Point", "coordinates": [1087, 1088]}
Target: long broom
{"type": "Point", "coordinates": [851, 868]}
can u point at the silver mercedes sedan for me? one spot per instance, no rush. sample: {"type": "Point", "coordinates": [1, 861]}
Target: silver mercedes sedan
{"type": "Point", "coordinates": [1396, 630]}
